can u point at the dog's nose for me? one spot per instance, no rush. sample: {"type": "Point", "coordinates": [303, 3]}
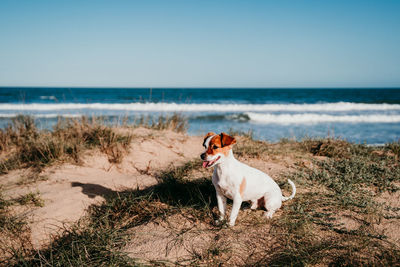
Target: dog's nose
{"type": "Point", "coordinates": [203, 156]}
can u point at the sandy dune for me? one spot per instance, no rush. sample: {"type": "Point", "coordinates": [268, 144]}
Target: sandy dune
{"type": "Point", "coordinates": [69, 189]}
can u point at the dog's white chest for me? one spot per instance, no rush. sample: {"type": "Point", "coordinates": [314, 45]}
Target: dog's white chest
{"type": "Point", "coordinates": [225, 185]}
{"type": "Point", "coordinates": [226, 190]}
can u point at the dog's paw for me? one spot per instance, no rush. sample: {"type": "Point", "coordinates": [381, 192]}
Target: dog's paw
{"type": "Point", "coordinates": [219, 222]}
{"type": "Point", "coordinates": [231, 224]}
{"type": "Point", "coordinates": [269, 214]}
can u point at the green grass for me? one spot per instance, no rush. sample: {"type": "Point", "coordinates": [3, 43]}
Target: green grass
{"type": "Point", "coordinates": [30, 199]}
{"type": "Point", "coordinates": [353, 176]}
{"type": "Point", "coordinates": [309, 234]}
{"type": "Point", "coordinates": [355, 173]}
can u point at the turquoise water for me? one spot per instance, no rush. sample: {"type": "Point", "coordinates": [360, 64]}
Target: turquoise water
{"type": "Point", "coordinates": [359, 115]}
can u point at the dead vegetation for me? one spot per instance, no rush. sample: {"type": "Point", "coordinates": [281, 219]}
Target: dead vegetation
{"type": "Point", "coordinates": [175, 122]}
{"type": "Point", "coordinates": [25, 146]}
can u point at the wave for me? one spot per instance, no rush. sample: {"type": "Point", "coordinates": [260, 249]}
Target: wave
{"type": "Point", "coordinates": [242, 117]}
{"type": "Point", "coordinates": [264, 118]}
{"type": "Point", "coordinates": [321, 118]}
{"type": "Point", "coordinates": [44, 116]}
{"type": "Point", "coordinates": [175, 107]}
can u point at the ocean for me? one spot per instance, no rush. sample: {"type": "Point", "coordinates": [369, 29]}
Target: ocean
{"type": "Point", "coordinates": [370, 116]}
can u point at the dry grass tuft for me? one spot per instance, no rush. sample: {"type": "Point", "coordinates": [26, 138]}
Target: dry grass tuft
{"type": "Point", "coordinates": [29, 147]}
{"type": "Point", "coordinates": [327, 147]}
{"type": "Point", "coordinates": [394, 147]}
{"type": "Point", "coordinates": [175, 122]}
{"type": "Point", "coordinates": [14, 232]}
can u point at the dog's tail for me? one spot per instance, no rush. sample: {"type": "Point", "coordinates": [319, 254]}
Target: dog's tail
{"type": "Point", "coordinates": [293, 191]}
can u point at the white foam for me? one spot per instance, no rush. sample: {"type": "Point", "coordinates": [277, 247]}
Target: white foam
{"type": "Point", "coordinates": [48, 97]}
{"type": "Point", "coordinates": [174, 107]}
{"type": "Point", "coordinates": [321, 118]}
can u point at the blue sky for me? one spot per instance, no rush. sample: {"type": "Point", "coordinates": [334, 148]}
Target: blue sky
{"type": "Point", "coordinates": [200, 43]}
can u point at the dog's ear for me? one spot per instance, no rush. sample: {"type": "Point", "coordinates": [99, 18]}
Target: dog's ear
{"type": "Point", "coordinates": [227, 140]}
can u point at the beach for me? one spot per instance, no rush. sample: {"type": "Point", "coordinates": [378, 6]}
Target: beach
{"type": "Point", "coordinates": [88, 193]}
{"type": "Point", "coordinates": [104, 111]}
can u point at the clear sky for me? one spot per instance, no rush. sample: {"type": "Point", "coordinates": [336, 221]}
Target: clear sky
{"type": "Point", "coordinates": [200, 43]}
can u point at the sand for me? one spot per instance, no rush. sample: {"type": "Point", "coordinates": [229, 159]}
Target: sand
{"type": "Point", "coordinates": [68, 190]}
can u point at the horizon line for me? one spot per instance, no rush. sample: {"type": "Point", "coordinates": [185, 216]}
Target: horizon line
{"type": "Point", "coordinates": [206, 87]}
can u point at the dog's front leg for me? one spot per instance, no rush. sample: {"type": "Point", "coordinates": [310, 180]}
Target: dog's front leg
{"type": "Point", "coordinates": [221, 199]}
{"type": "Point", "coordinates": [237, 203]}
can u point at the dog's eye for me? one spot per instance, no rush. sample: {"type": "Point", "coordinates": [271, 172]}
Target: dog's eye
{"type": "Point", "coordinates": [215, 147]}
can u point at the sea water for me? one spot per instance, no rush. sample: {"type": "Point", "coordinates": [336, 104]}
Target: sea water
{"type": "Point", "coordinates": [369, 116]}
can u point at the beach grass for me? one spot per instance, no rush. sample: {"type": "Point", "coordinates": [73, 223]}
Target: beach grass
{"type": "Point", "coordinates": [25, 146]}
{"type": "Point", "coordinates": [29, 147]}
{"type": "Point", "coordinates": [306, 232]}
{"type": "Point", "coordinates": [344, 183]}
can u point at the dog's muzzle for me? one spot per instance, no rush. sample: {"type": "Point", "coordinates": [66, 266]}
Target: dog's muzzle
{"type": "Point", "coordinates": [210, 163]}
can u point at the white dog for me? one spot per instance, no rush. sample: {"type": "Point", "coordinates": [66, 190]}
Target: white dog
{"type": "Point", "coordinates": [239, 181]}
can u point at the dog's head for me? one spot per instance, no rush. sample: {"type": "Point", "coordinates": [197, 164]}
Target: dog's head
{"type": "Point", "coordinates": [217, 148]}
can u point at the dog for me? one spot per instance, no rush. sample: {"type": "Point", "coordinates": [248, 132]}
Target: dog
{"type": "Point", "coordinates": [237, 181]}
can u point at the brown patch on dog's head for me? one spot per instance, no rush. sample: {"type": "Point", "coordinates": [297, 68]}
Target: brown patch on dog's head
{"type": "Point", "coordinates": [208, 135]}
{"type": "Point", "coordinates": [214, 146]}
{"type": "Point", "coordinates": [219, 144]}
